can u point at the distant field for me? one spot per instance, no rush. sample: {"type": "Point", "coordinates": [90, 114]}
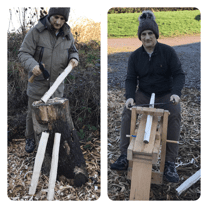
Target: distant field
{"type": "Point", "coordinates": [170, 23]}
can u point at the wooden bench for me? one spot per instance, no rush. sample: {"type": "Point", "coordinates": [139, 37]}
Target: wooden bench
{"type": "Point", "coordinates": [142, 154]}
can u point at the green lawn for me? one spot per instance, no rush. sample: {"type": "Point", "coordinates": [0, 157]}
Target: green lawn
{"type": "Point", "coordinates": [170, 23]}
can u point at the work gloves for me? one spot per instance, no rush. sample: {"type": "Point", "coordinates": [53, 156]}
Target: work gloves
{"type": "Point", "coordinates": [175, 98]}
{"type": "Point", "coordinates": [129, 101]}
{"type": "Point", "coordinates": [74, 62]}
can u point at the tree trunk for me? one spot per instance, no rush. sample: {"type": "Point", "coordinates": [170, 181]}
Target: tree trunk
{"type": "Point", "coordinates": [54, 117]}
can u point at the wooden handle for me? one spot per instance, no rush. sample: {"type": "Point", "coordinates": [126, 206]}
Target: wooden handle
{"type": "Point", "coordinates": [31, 79]}
{"type": "Point", "coordinates": [172, 141]}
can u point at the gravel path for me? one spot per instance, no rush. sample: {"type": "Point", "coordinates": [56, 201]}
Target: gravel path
{"type": "Point", "coordinates": [188, 52]}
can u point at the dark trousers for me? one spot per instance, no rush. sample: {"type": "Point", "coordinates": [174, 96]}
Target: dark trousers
{"type": "Point", "coordinates": [29, 132]}
{"type": "Point", "coordinates": [174, 123]}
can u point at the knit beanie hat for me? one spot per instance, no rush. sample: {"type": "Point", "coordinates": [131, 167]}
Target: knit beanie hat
{"type": "Point", "coordinates": [64, 11]}
{"type": "Point", "coordinates": [147, 22]}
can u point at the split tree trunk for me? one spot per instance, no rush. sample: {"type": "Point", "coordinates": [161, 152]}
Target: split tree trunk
{"type": "Point", "coordinates": [54, 117]}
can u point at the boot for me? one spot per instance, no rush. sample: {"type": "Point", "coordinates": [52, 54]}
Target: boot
{"type": "Point", "coordinates": [30, 145]}
{"type": "Point", "coordinates": [120, 164]}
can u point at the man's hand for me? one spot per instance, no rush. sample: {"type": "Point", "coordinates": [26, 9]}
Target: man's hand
{"type": "Point", "coordinates": [175, 98]}
{"type": "Point", "coordinates": [36, 71]}
{"type": "Point", "coordinates": [74, 62]}
{"type": "Point", "coordinates": [129, 101]}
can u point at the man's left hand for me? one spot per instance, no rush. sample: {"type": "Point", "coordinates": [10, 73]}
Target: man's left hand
{"type": "Point", "coordinates": [175, 98]}
{"type": "Point", "coordinates": [74, 62]}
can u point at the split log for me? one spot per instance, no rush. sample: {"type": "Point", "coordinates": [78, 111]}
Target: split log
{"type": "Point", "coordinates": [149, 121]}
{"type": "Point", "coordinates": [189, 182]}
{"type": "Point", "coordinates": [38, 162]}
{"type": "Point", "coordinates": [54, 117]}
{"type": "Point", "coordinates": [56, 84]}
{"type": "Point", "coordinates": [54, 164]}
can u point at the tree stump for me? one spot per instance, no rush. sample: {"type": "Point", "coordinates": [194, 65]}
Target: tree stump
{"type": "Point", "coordinates": [54, 117]}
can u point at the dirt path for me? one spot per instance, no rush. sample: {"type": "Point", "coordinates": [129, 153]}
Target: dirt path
{"type": "Point", "coordinates": [186, 47]}
{"type": "Point", "coordinates": [130, 44]}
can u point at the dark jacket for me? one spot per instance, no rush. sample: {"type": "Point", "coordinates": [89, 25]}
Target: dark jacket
{"type": "Point", "coordinates": [41, 44]}
{"type": "Point", "coordinates": [161, 74]}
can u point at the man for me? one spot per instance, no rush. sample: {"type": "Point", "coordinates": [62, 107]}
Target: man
{"type": "Point", "coordinates": [158, 70]}
{"type": "Point", "coordinates": [50, 42]}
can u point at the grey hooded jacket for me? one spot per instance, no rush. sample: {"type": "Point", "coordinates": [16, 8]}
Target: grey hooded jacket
{"type": "Point", "coordinates": [42, 45]}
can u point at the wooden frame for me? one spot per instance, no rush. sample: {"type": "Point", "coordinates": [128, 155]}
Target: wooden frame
{"type": "Point", "coordinates": [142, 155]}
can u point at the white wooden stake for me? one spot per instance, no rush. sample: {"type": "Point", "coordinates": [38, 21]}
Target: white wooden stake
{"type": "Point", "coordinates": [38, 162]}
{"type": "Point", "coordinates": [54, 164]}
{"type": "Point", "coordinates": [56, 84]}
{"type": "Point", "coordinates": [189, 182]}
{"type": "Point", "coordinates": [149, 121]}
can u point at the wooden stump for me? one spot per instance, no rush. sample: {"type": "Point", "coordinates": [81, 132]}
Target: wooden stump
{"type": "Point", "coordinates": [54, 117]}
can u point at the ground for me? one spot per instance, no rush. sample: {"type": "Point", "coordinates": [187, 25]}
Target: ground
{"type": "Point", "coordinates": [188, 161]}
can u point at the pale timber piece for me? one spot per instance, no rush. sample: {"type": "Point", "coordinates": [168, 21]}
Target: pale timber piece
{"type": "Point", "coordinates": [149, 111]}
{"type": "Point", "coordinates": [131, 140]}
{"type": "Point", "coordinates": [54, 165]}
{"type": "Point", "coordinates": [141, 180]}
{"type": "Point", "coordinates": [157, 178]}
{"type": "Point", "coordinates": [145, 148]}
{"type": "Point", "coordinates": [56, 84]}
{"type": "Point", "coordinates": [149, 121]}
{"type": "Point", "coordinates": [132, 132]}
{"type": "Point", "coordinates": [189, 182]}
{"type": "Point", "coordinates": [156, 149]}
{"type": "Point", "coordinates": [130, 149]}
{"type": "Point", "coordinates": [172, 141]}
{"type": "Point", "coordinates": [139, 136]}
{"type": "Point", "coordinates": [38, 162]}
{"type": "Point", "coordinates": [164, 124]}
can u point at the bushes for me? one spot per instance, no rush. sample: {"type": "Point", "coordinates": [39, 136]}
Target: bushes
{"type": "Point", "coordinates": [85, 30]}
{"type": "Point", "coordinates": [82, 86]}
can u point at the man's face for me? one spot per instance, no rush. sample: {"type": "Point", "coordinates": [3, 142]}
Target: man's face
{"type": "Point", "coordinates": [148, 39]}
{"type": "Point", "coordinates": [57, 21]}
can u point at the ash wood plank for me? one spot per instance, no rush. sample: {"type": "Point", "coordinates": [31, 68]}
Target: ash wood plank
{"type": "Point", "coordinates": [141, 180]}
{"type": "Point", "coordinates": [150, 111]}
{"type": "Point", "coordinates": [148, 126]}
{"type": "Point", "coordinates": [133, 121]}
{"type": "Point", "coordinates": [164, 138]}
{"type": "Point", "coordinates": [130, 149]}
{"type": "Point", "coordinates": [57, 82]}
{"type": "Point", "coordinates": [38, 162]}
{"type": "Point", "coordinates": [54, 165]}
{"type": "Point", "coordinates": [157, 178]}
{"type": "Point", "coordinates": [144, 148]}
{"type": "Point", "coordinates": [140, 134]}
{"type": "Point", "coordinates": [156, 148]}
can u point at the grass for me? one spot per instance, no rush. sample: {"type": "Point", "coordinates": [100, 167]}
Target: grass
{"type": "Point", "coordinates": [170, 24]}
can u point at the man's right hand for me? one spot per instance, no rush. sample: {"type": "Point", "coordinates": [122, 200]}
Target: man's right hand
{"type": "Point", "coordinates": [36, 71]}
{"type": "Point", "coordinates": [129, 101]}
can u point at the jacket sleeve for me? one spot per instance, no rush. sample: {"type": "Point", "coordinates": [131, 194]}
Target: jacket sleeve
{"type": "Point", "coordinates": [131, 80]}
{"type": "Point", "coordinates": [177, 73]}
{"type": "Point", "coordinates": [27, 51]}
{"type": "Point", "coordinates": [73, 52]}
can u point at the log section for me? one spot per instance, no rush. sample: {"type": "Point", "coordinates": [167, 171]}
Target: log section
{"type": "Point", "coordinates": [54, 117]}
